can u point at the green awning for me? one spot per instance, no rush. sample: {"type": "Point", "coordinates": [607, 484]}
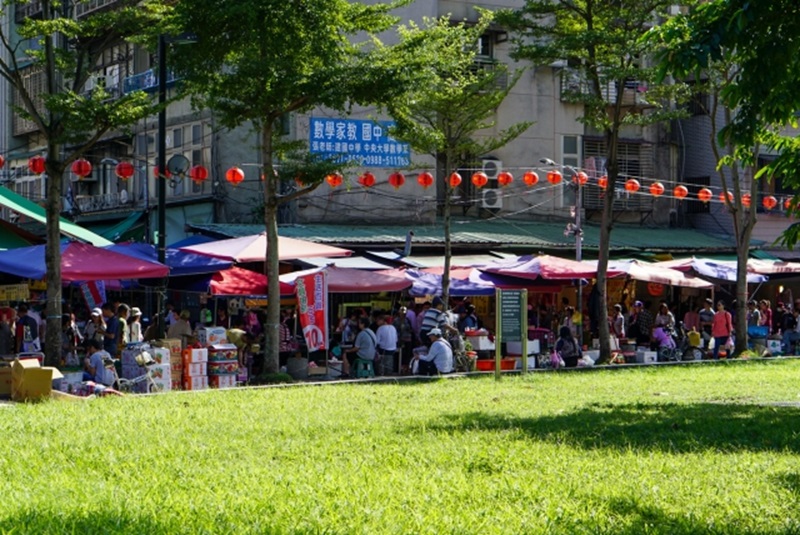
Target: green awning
{"type": "Point", "coordinates": [23, 206]}
{"type": "Point", "coordinates": [122, 230]}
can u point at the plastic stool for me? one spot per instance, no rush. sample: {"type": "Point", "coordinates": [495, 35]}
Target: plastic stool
{"type": "Point", "coordinates": [364, 368]}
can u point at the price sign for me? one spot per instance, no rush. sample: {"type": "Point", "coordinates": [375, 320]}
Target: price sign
{"type": "Point", "coordinates": [513, 308]}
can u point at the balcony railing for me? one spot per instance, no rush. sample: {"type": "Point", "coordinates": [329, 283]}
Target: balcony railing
{"type": "Point", "coordinates": [90, 6]}
{"type": "Point", "coordinates": [574, 86]}
{"type": "Point", "coordinates": [145, 81]}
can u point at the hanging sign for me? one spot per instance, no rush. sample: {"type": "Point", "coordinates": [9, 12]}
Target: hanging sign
{"type": "Point", "coordinates": [94, 293]}
{"type": "Point", "coordinates": [367, 143]}
{"type": "Point", "coordinates": [14, 292]}
{"type": "Point", "coordinates": [312, 304]}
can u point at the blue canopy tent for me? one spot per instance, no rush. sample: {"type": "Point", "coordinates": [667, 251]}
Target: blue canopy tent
{"type": "Point", "coordinates": [179, 262]}
{"type": "Point", "coordinates": [431, 284]}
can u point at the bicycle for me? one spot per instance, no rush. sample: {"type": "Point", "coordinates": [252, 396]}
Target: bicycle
{"type": "Point", "coordinates": [130, 386]}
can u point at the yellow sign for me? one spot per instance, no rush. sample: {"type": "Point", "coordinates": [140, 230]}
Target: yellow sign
{"type": "Point", "coordinates": [14, 292]}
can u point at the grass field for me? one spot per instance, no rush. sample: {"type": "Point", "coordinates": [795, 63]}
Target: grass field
{"type": "Point", "coordinates": [668, 450]}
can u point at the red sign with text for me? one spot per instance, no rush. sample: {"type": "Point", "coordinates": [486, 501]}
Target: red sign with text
{"type": "Point", "coordinates": [312, 304]}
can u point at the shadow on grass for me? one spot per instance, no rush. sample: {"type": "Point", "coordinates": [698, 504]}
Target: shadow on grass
{"type": "Point", "coordinates": [84, 522]}
{"type": "Point", "coordinates": [644, 426]}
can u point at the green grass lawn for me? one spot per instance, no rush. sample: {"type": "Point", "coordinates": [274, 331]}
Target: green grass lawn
{"type": "Point", "coordinates": [669, 450]}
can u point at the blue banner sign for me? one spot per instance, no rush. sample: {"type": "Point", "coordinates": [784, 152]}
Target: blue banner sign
{"type": "Point", "coordinates": [364, 142]}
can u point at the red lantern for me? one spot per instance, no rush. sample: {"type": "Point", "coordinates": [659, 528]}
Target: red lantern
{"type": "Point", "coordinates": [680, 192]}
{"type": "Point", "coordinates": [656, 189]}
{"type": "Point", "coordinates": [722, 196]}
{"type": "Point", "coordinates": [480, 179]}
{"type": "Point", "coordinates": [2, 161]}
{"type": "Point", "coordinates": [198, 173]}
{"type": "Point", "coordinates": [124, 170]}
{"type": "Point", "coordinates": [530, 178]}
{"type": "Point", "coordinates": [787, 203]}
{"type": "Point", "coordinates": [505, 178]}
{"type": "Point", "coordinates": [367, 180]}
{"type": "Point", "coordinates": [580, 178]}
{"type": "Point", "coordinates": [554, 177]}
{"type": "Point", "coordinates": [397, 179]}
{"type": "Point", "coordinates": [455, 180]}
{"type": "Point", "coordinates": [425, 179]}
{"type": "Point", "coordinates": [770, 202]}
{"type": "Point", "coordinates": [705, 195]}
{"type": "Point", "coordinates": [334, 180]}
{"type": "Point", "coordinates": [632, 185]}
{"type": "Point", "coordinates": [746, 200]}
{"type": "Point", "coordinates": [157, 173]}
{"type": "Point", "coordinates": [36, 165]}
{"type": "Point", "coordinates": [81, 168]}
{"type": "Point", "coordinates": [235, 176]}
{"type": "Point", "coordinates": [602, 182]}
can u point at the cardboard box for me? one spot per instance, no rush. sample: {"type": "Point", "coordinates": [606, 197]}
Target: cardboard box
{"type": "Point", "coordinates": [515, 348]}
{"type": "Point", "coordinates": [161, 355]}
{"type": "Point", "coordinates": [161, 376]}
{"type": "Point", "coordinates": [222, 352]}
{"type": "Point", "coordinates": [222, 381]}
{"type": "Point", "coordinates": [174, 346]}
{"type": "Point", "coordinates": [5, 382]}
{"type": "Point", "coordinates": [209, 336]}
{"type": "Point", "coordinates": [30, 381]}
{"type": "Point", "coordinates": [195, 383]}
{"type": "Point", "coordinates": [223, 367]}
{"type": "Point", "coordinates": [646, 357]}
{"type": "Point", "coordinates": [193, 355]}
{"type": "Point", "coordinates": [480, 343]}
{"type": "Point", "coordinates": [194, 369]}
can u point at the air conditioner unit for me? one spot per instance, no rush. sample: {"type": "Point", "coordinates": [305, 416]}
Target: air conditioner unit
{"type": "Point", "coordinates": [491, 199]}
{"type": "Point", "coordinates": [492, 167]}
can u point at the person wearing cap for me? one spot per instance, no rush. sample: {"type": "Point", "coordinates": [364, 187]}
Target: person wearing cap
{"type": "Point", "coordinates": [706, 320]}
{"type": "Point", "coordinates": [94, 327]}
{"type": "Point", "coordinates": [135, 326]}
{"type": "Point", "coordinates": [439, 358]}
{"type": "Point", "coordinates": [181, 329]}
{"type": "Point", "coordinates": [435, 318]}
{"type": "Point", "coordinates": [110, 332]}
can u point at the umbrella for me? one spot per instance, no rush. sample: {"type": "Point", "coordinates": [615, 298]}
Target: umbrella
{"type": "Point", "coordinates": [431, 284]}
{"type": "Point", "coordinates": [544, 266]}
{"type": "Point", "coordinates": [352, 280]}
{"type": "Point", "coordinates": [712, 269]}
{"type": "Point", "coordinates": [253, 248]}
{"type": "Point", "coordinates": [239, 281]}
{"type": "Point", "coordinates": [642, 271]}
{"type": "Point", "coordinates": [79, 262]}
{"type": "Point", "coordinates": [179, 262]}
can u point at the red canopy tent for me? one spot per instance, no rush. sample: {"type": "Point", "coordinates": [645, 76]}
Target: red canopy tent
{"type": "Point", "coordinates": [239, 281]}
{"type": "Point", "coordinates": [351, 280]}
{"type": "Point", "coordinates": [544, 266]}
{"type": "Point", "coordinates": [254, 249]}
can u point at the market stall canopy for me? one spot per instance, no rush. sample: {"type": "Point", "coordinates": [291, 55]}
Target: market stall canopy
{"type": "Point", "coordinates": [179, 262]}
{"type": "Point", "coordinates": [254, 249]}
{"type": "Point", "coordinates": [643, 271]}
{"type": "Point", "coordinates": [773, 267]}
{"type": "Point", "coordinates": [504, 282]}
{"type": "Point", "coordinates": [79, 262]}
{"type": "Point", "coordinates": [723, 270]}
{"type": "Point", "coordinates": [239, 281]}
{"type": "Point", "coordinates": [431, 284]}
{"type": "Point", "coordinates": [351, 280]}
{"type": "Point", "coordinates": [544, 266]}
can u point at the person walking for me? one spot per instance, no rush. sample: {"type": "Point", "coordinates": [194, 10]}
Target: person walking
{"type": "Point", "coordinates": [721, 328]}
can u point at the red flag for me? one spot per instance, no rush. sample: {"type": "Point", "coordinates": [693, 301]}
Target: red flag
{"type": "Point", "coordinates": [312, 302]}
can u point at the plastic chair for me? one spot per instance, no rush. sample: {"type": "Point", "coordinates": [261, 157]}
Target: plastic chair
{"type": "Point", "coordinates": [364, 368]}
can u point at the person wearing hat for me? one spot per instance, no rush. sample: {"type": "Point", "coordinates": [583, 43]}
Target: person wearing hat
{"type": "Point", "coordinates": [439, 358]}
{"type": "Point", "coordinates": [181, 329]}
{"type": "Point", "coordinates": [94, 326]}
{"type": "Point", "coordinates": [135, 326]}
{"type": "Point", "coordinates": [435, 318]}
{"type": "Point", "coordinates": [706, 320]}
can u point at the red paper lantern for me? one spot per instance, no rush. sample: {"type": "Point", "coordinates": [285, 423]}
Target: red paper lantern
{"type": "Point", "coordinates": [554, 177]}
{"type": "Point", "coordinates": [505, 178]}
{"type": "Point", "coordinates": [746, 200]}
{"type": "Point", "coordinates": [480, 179]}
{"type": "Point", "coordinates": [124, 170]}
{"type": "Point", "coordinates": [455, 180]}
{"type": "Point", "coordinates": [36, 165]}
{"type": "Point", "coordinates": [580, 178]}
{"type": "Point", "coordinates": [787, 203]}
{"type": "Point", "coordinates": [656, 189]}
{"type": "Point", "coordinates": [397, 179]}
{"type": "Point", "coordinates": [198, 173]}
{"type": "Point", "coordinates": [235, 176]}
{"type": "Point", "coordinates": [530, 178]}
{"type": "Point", "coordinates": [81, 168]}
{"type": "Point", "coordinates": [334, 180]}
{"type": "Point", "coordinates": [157, 173]}
{"type": "Point", "coordinates": [705, 194]}
{"type": "Point", "coordinates": [602, 182]}
{"type": "Point", "coordinates": [632, 185]}
{"type": "Point", "coordinates": [367, 180]}
{"type": "Point", "coordinates": [425, 179]}
{"type": "Point", "coordinates": [680, 192]}
{"type": "Point", "coordinates": [2, 161]}
{"type": "Point", "coordinates": [770, 202]}
{"type": "Point", "coordinates": [722, 196]}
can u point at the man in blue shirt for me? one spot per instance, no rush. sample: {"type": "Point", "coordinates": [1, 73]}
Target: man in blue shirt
{"type": "Point", "coordinates": [95, 367]}
{"type": "Point", "coordinates": [111, 331]}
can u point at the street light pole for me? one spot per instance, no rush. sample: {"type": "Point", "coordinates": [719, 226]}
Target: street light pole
{"type": "Point", "coordinates": [161, 175]}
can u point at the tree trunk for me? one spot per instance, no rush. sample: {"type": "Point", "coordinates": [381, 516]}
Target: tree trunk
{"type": "Point", "coordinates": [271, 338]}
{"type": "Point", "coordinates": [604, 252]}
{"type": "Point", "coordinates": [52, 256]}
{"type": "Point", "coordinates": [448, 251]}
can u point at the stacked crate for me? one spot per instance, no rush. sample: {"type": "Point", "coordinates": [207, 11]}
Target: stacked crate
{"type": "Point", "coordinates": [173, 345]}
{"type": "Point", "coordinates": [223, 365]}
{"type": "Point", "coordinates": [195, 369]}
